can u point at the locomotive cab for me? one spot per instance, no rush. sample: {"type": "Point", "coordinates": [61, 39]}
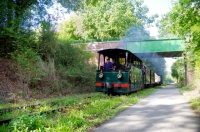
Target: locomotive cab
{"type": "Point", "coordinates": [124, 78]}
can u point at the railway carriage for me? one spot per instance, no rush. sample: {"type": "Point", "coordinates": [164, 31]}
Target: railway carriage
{"type": "Point", "coordinates": [125, 78]}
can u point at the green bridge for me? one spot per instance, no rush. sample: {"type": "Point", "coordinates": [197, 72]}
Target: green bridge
{"type": "Point", "coordinates": [145, 48]}
{"type": "Point", "coordinates": [164, 47]}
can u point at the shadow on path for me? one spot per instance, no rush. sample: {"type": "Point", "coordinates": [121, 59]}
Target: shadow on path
{"type": "Point", "coordinates": [164, 111]}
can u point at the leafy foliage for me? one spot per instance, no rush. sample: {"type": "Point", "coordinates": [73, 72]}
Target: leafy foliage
{"type": "Point", "coordinates": [178, 71]}
{"type": "Point", "coordinates": [74, 5]}
{"type": "Point", "coordinates": [75, 64]}
{"type": "Point", "coordinates": [111, 19]}
{"type": "Point", "coordinates": [70, 30]}
{"type": "Point", "coordinates": [28, 123]}
{"type": "Point", "coordinates": [168, 78]}
{"type": "Point", "coordinates": [47, 42]}
{"type": "Point", "coordinates": [19, 16]}
{"type": "Point", "coordinates": [107, 19]}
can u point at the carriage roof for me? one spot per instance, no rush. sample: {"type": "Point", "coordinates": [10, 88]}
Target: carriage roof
{"type": "Point", "coordinates": [117, 51]}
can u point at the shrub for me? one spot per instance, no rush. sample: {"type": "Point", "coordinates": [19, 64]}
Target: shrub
{"type": "Point", "coordinates": [72, 63]}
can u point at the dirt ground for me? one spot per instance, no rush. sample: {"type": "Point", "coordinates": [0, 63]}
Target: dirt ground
{"type": "Point", "coordinates": [15, 89]}
{"type": "Point", "coordinates": [10, 83]}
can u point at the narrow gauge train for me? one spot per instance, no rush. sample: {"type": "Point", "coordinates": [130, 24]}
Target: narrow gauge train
{"type": "Point", "coordinates": [126, 77]}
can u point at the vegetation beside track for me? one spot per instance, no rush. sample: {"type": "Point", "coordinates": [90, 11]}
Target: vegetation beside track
{"type": "Point", "coordinates": [193, 96]}
{"type": "Point", "coordinates": [82, 114]}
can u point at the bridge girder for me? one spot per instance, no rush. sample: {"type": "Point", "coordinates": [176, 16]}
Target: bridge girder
{"type": "Point", "coordinates": [153, 48]}
{"type": "Point", "coordinates": [146, 48]}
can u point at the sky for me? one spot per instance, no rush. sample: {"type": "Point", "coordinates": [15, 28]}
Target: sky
{"type": "Point", "coordinates": [159, 7]}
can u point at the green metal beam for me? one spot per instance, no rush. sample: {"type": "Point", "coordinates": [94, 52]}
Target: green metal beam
{"type": "Point", "coordinates": [164, 45]}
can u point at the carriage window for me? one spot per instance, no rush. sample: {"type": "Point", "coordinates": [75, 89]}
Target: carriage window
{"type": "Point", "coordinates": [122, 61]}
{"type": "Point", "coordinates": [135, 62]}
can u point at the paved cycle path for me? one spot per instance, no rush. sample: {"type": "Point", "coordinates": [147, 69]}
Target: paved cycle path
{"type": "Point", "coordinates": [164, 111]}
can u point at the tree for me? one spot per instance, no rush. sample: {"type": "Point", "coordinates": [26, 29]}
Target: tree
{"type": "Point", "coordinates": [168, 78]}
{"type": "Point", "coordinates": [17, 19]}
{"type": "Point", "coordinates": [178, 71]}
{"type": "Point", "coordinates": [183, 21]}
{"type": "Point", "coordinates": [20, 17]}
{"type": "Point", "coordinates": [164, 26]}
{"type": "Point", "coordinates": [175, 73]}
{"type": "Point", "coordinates": [74, 5]}
{"type": "Point", "coordinates": [109, 19]}
{"type": "Point", "coordinates": [71, 29]}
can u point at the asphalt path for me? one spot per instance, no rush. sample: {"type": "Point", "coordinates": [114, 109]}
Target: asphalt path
{"type": "Point", "coordinates": [164, 111]}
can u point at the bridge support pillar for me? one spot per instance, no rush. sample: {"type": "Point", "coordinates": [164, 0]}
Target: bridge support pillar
{"type": "Point", "coordinates": [186, 80]}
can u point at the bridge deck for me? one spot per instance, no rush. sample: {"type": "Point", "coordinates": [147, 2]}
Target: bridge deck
{"type": "Point", "coordinates": [146, 48]}
{"type": "Point", "coordinates": [165, 47]}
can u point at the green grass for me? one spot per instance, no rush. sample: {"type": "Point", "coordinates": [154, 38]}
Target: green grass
{"type": "Point", "coordinates": [83, 113]}
{"type": "Point", "coordinates": [193, 96]}
{"type": "Point", "coordinates": [185, 89]}
{"type": "Point", "coordinates": [196, 104]}
{"type": "Point", "coordinates": [45, 105]}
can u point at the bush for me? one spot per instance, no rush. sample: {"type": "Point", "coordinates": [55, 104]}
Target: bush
{"type": "Point", "coordinates": [74, 64]}
{"type": "Point", "coordinates": [28, 61]}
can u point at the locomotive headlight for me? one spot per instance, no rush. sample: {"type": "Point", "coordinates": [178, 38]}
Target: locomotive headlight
{"type": "Point", "coordinates": [119, 75]}
{"type": "Point", "coordinates": [101, 75]}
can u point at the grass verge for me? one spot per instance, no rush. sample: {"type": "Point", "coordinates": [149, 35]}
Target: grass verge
{"type": "Point", "coordinates": [82, 114]}
{"type": "Point", "coordinates": [193, 96]}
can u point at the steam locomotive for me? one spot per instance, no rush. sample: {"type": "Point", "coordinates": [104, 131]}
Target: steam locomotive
{"type": "Point", "coordinates": [125, 76]}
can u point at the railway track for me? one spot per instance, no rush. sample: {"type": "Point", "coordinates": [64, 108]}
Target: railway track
{"type": "Point", "coordinates": [34, 108]}
{"type": "Point", "coordinates": [6, 121]}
